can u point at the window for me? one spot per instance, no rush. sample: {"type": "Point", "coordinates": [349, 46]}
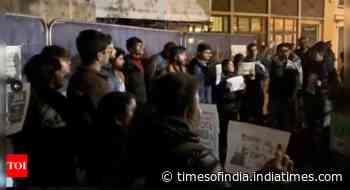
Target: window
{"type": "Point", "coordinates": [256, 25]}
{"type": "Point", "coordinates": [311, 31]}
{"type": "Point", "coordinates": [219, 24]}
{"type": "Point", "coordinates": [283, 30]}
{"type": "Point", "coordinates": [243, 24]}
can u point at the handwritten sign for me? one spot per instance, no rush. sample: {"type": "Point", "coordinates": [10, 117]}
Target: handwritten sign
{"type": "Point", "coordinates": [236, 83]}
{"type": "Point", "coordinates": [209, 127]}
{"type": "Point", "coordinates": [251, 146]}
{"type": "Point", "coordinates": [247, 68]}
{"type": "Point", "coordinates": [236, 49]}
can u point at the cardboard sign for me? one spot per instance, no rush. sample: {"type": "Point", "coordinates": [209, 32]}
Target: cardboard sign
{"type": "Point", "coordinates": [236, 49]}
{"type": "Point", "coordinates": [236, 83]}
{"type": "Point", "coordinates": [247, 68]}
{"type": "Point", "coordinates": [209, 127]}
{"type": "Point", "coordinates": [250, 147]}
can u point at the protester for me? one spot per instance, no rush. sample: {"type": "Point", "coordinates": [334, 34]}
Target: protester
{"type": "Point", "coordinates": [199, 68]}
{"type": "Point", "coordinates": [86, 87]}
{"type": "Point", "coordinates": [302, 47]}
{"type": "Point", "coordinates": [134, 70]}
{"type": "Point", "coordinates": [158, 62]}
{"type": "Point", "coordinates": [114, 70]}
{"type": "Point", "coordinates": [174, 146]}
{"type": "Point", "coordinates": [115, 113]}
{"type": "Point", "coordinates": [228, 104]}
{"type": "Point", "coordinates": [48, 121]}
{"type": "Point", "coordinates": [253, 100]}
{"type": "Point", "coordinates": [283, 87]}
{"type": "Point", "coordinates": [177, 60]}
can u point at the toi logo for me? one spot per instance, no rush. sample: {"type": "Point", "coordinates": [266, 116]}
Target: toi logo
{"type": "Point", "coordinates": [17, 165]}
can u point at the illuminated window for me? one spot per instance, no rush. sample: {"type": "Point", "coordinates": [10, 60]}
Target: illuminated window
{"type": "Point", "coordinates": [219, 23]}
{"type": "Point", "coordinates": [243, 24]}
{"type": "Point", "coordinates": [290, 25]}
{"type": "Point", "coordinates": [256, 25]}
{"type": "Point", "coordinates": [278, 25]}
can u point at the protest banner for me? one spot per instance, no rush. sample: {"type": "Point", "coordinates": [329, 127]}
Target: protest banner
{"type": "Point", "coordinates": [250, 146]}
{"type": "Point", "coordinates": [209, 128]}
{"type": "Point", "coordinates": [236, 83]}
{"type": "Point", "coordinates": [246, 68]}
{"type": "Point", "coordinates": [236, 49]}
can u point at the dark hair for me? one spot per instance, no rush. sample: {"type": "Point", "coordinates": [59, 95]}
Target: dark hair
{"type": "Point", "coordinates": [119, 52]}
{"type": "Point", "coordinates": [237, 59]}
{"type": "Point", "coordinates": [89, 43]}
{"type": "Point", "coordinates": [175, 51]}
{"type": "Point", "coordinates": [132, 42]}
{"type": "Point", "coordinates": [169, 46]}
{"type": "Point", "coordinates": [55, 51]}
{"type": "Point", "coordinates": [174, 93]}
{"type": "Point", "coordinates": [224, 64]}
{"type": "Point", "coordinates": [40, 70]}
{"type": "Point", "coordinates": [249, 46]}
{"type": "Point", "coordinates": [282, 45]}
{"type": "Point", "coordinates": [203, 47]}
{"type": "Point", "coordinates": [113, 105]}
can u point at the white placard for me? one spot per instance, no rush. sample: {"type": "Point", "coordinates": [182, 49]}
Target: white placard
{"type": "Point", "coordinates": [250, 146]}
{"type": "Point", "coordinates": [209, 128]}
{"type": "Point", "coordinates": [218, 69]}
{"type": "Point", "coordinates": [236, 84]}
{"type": "Point", "coordinates": [16, 108]}
{"type": "Point", "coordinates": [13, 61]}
{"type": "Point", "coordinates": [236, 49]}
{"type": "Point", "coordinates": [246, 68]}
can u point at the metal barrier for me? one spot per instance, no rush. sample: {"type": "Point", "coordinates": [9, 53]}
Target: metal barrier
{"type": "Point", "coordinates": [27, 31]}
{"type": "Point", "coordinates": [220, 43]}
{"type": "Point", "coordinates": [64, 33]}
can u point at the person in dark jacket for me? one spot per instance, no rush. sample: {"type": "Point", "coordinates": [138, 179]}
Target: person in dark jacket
{"type": "Point", "coordinates": [253, 100]}
{"type": "Point", "coordinates": [199, 68]}
{"type": "Point", "coordinates": [157, 65]}
{"type": "Point", "coordinates": [228, 105]}
{"type": "Point", "coordinates": [115, 113]}
{"type": "Point", "coordinates": [47, 132]}
{"type": "Point", "coordinates": [175, 146]}
{"type": "Point", "coordinates": [134, 70]}
{"type": "Point", "coordinates": [283, 87]}
{"type": "Point", "coordinates": [86, 87]}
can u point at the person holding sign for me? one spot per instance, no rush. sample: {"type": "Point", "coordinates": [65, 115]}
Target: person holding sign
{"type": "Point", "coordinates": [253, 101]}
{"type": "Point", "coordinates": [229, 102]}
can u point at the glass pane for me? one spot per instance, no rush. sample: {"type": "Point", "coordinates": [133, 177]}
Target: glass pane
{"type": "Point", "coordinates": [278, 25]}
{"type": "Point", "coordinates": [243, 24]}
{"type": "Point", "coordinates": [271, 24]}
{"type": "Point", "coordinates": [278, 39]}
{"type": "Point", "coordinates": [289, 25]}
{"type": "Point", "coordinates": [217, 24]}
{"type": "Point", "coordinates": [234, 27]}
{"type": "Point", "coordinates": [256, 25]}
{"type": "Point", "coordinates": [288, 38]}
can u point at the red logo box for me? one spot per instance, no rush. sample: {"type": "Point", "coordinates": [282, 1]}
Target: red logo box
{"type": "Point", "coordinates": [17, 165]}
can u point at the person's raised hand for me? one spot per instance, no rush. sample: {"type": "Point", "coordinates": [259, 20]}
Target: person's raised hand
{"type": "Point", "coordinates": [280, 162]}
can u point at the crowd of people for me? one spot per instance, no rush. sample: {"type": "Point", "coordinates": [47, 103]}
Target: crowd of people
{"type": "Point", "coordinates": [125, 119]}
